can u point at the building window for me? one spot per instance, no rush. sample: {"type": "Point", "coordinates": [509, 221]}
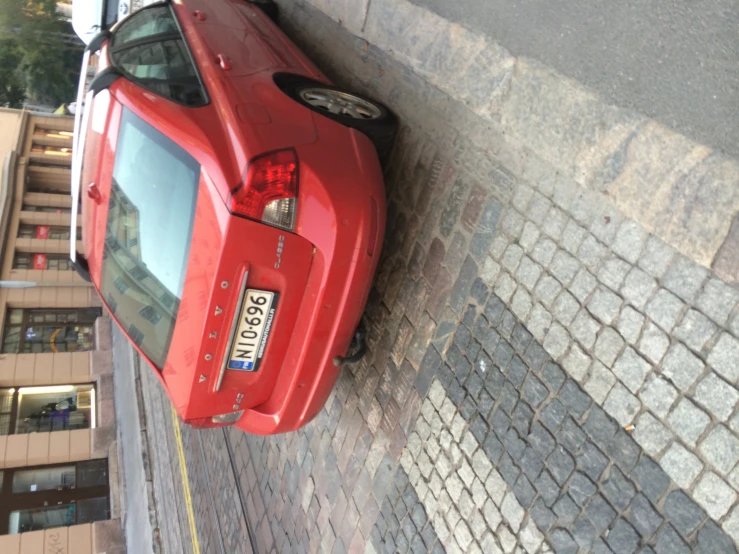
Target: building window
{"type": "Point", "coordinates": [49, 330]}
{"type": "Point", "coordinates": [51, 150]}
{"type": "Point", "coordinates": [27, 260]}
{"type": "Point", "coordinates": [44, 497]}
{"type": "Point", "coordinates": [52, 133]}
{"type": "Point", "coordinates": [44, 409]}
{"type": "Point", "coordinates": [55, 232]}
{"type": "Point", "coordinates": [46, 209]}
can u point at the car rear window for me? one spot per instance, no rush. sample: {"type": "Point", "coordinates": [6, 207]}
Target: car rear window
{"type": "Point", "coordinates": [148, 233]}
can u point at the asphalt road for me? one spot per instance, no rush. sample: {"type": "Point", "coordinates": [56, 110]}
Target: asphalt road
{"type": "Point", "coordinates": [674, 60]}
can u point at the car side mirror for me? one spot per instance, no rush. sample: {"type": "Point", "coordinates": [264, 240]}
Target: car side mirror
{"type": "Point", "coordinates": [104, 79]}
{"type": "Point", "coordinates": [97, 41]}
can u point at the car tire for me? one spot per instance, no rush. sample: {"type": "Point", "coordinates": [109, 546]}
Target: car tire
{"type": "Point", "coordinates": [350, 109]}
{"type": "Point", "coordinates": [269, 7]}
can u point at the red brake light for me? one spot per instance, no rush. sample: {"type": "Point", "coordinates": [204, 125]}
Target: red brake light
{"type": "Point", "coordinates": [270, 191]}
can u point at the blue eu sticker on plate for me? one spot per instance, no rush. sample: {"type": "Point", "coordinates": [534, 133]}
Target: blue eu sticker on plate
{"type": "Point", "coordinates": [235, 364]}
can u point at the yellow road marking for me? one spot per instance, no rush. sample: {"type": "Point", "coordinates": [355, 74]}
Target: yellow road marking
{"type": "Point", "coordinates": [185, 483]}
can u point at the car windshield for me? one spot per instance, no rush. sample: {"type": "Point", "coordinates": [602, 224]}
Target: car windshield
{"type": "Point", "coordinates": [148, 232]}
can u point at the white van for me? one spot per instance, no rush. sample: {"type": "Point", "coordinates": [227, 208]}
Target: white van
{"type": "Point", "coordinates": [89, 17]}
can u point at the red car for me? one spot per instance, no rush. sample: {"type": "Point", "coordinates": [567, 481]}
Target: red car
{"type": "Point", "coordinates": [233, 209]}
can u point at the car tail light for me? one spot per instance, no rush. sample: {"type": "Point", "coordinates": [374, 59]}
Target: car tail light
{"type": "Point", "coordinates": [215, 421]}
{"type": "Point", "coordinates": [270, 191]}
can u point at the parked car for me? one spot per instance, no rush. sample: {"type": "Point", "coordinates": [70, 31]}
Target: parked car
{"type": "Point", "coordinates": [89, 17]}
{"type": "Point", "coordinates": [233, 209]}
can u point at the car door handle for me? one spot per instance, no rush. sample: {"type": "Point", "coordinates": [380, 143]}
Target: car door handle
{"type": "Point", "coordinates": [200, 15]}
{"type": "Point", "coordinates": [93, 193]}
{"type": "Point", "coordinates": [223, 62]}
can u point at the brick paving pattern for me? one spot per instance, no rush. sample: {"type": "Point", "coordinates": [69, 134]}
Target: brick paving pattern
{"type": "Point", "coordinates": [544, 376]}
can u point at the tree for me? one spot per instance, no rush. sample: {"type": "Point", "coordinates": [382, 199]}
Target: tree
{"type": "Point", "coordinates": [50, 62]}
{"type": "Point", "coordinates": [12, 86]}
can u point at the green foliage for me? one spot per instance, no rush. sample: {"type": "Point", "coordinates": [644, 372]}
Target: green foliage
{"type": "Point", "coordinates": [50, 54]}
{"type": "Point", "coordinates": [12, 85]}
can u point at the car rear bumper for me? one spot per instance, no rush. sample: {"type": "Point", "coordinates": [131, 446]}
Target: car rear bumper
{"type": "Point", "coordinates": [342, 212]}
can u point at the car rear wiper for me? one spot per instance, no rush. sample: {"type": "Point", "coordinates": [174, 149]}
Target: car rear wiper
{"type": "Point", "coordinates": [80, 265]}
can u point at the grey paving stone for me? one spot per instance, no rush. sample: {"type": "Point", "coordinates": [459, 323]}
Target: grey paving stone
{"type": "Point", "coordinates": [656, 257]}
{"type": "Point", "coordinates": [599, 426]}
{"type": "Point", "coordinates": [717, 300]}
{"type": "Point", "coordinates": [684, 514]}
{"type": "Point", "coordinates": [521, 304]}
{"type": "Point", "coordinates": [535, 356]}
{"type": "Point", "coordinates": [531, 463]}
{"type": "Point", "coordinates": [548, 488]}
{"type": "Point", "coordinates": [622, 405]}
{"type": "Point", "coordinates": [630, 241]}
{"type": "Point", "coordinates": [581, 488]}
{"type": "Point", "coordinates": [584, 533]}
{"type": "Point", "coordinates": [604, 304]}
{"type": "Point", "coordinates": [522, 417]}
{"type": "Point", "coordinates": [516, 372]}
{"type": "Point", "coordinates": [544, 251]}
{"type": "Point", "coordinates": [583, 284]}
{"type": "Point", "coordinates": [724, 355]}
{"type": "Point", "coordinates": [562, 542]}
{"type": "Point", "coordinates": [552, 415]}
{"type": "Point", "coordinates": [623, 538]}
{"type": "Point", "coordinates": [714, 495]}
{"type": "Point", "coordinates": [571, 436]}
{"type": "Point", "coordinates": [553, 376]}
{"type": "Point", "coordinates": [600, 513]}
{"type": "Point", "coordinates": [592, 461]}
{"type": "Point", "coordinates": [658, 395]}
{"type": "Point", "coordinates": [717, 396]}
{"type": "Point", "coordinates": [605, 223]}
{"type": "Point", "coordinates": [541, 440]}
{"type": "Point", "coordinates": [712, 539]}
{"type": "Point", "coordinates": [695, 330]}
{"type": "Point", "coordinates": [665, 309]}
{"type": "Point", "coordinates": [669, 542]}
{"type": "Point", "coordinates": [654, 343]}
{"type": "Point", "coordinates": [554, 223]}
{"type": "Point", "coordinates": [592, 253]}
{"type": "Point", "coordinates": [613, 272]}
{"type": "Point", "coordinates": [560, 464]}
{"type": "Point", "coordinates": [479, 291]}
{"type": "Point", "coordinates": [508, 470]}
{"type": "Point", "coordinates": [566, 509]}
{"type": "Point", "coordinates": [638, 287]}
{"type": "Point", "coordinates": [600, 382]}
{"type": "Point", "coordinates": [493, 448]}
{"type": "Point", "coordinates": [623, 450]}
{"type": "Point", "coordinates": [618, 489]}
{"type": "Point", "coordinates": [534, 391]}
{"type": "Point", "coordinates": [565, 308]}
{"type": "Point", "coordinates": [651, 479]}
{"type": "Point", "coordinates": [557, 341]}
{"type": "Point", "coordinates": [608, 346]}
{"type": "Point", "coordinates": [524, 491]}
{"type": "Point", "coordinates": [574, 399]}
{"type": "Point", "coordinates": [584, 328]}
{"type": "Point", "coordinates": [572, 236]}
{"type": "Point", "coordinates": [651, 435]}
{"type": "Point", "coordinates": [630, 324]}
{"type": "Point", "coordinates": [521, 338]}
{"type": "Point", "coordinates": [542, 515]}
{"type": "Point", "coordinates": [631, 369]}
{"type": "Point", "coordinates": [688, 421]}
{"type": "Point", "coordinates": [685, 278]}
{"type": "Point", "coordinates": [514, 445]}
{"type": "Point", "coordinates": [644, 517]}
{"type": "Point", "coordinates": [720, 448]}
{"type": "Point", "coordinates": [682, 367]}
{"type": "Point", "coordinates": [505, 286]}
{"type": "Point", "coordinates": [564, 267]}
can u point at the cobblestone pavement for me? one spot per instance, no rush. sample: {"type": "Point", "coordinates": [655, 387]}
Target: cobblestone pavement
{"type": "Point", "coordinates": [545, 375]}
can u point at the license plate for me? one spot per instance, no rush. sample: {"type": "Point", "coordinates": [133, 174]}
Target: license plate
{"type": "Point", "coordinates": [255, 323]}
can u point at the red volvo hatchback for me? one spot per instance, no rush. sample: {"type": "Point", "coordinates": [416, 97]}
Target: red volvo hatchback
{"type": "Point", "coordinates": [233, 209]}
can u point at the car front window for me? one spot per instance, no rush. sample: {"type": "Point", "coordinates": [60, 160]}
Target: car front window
{"type": "Point", "coordinates": [148, 234]}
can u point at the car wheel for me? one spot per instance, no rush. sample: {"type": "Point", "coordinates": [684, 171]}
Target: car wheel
{"type": "Point", "coordinates": [352, 110]}
{"type": "Point", "coordinates": [268, 7]}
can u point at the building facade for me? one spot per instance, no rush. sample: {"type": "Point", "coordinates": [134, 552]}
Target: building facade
{"type": "Point", "coordinates": [58, 462]}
